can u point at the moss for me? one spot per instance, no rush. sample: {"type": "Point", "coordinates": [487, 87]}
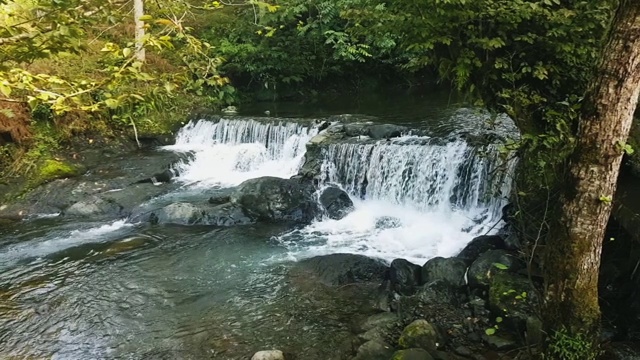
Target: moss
{"type": "Point", "coordinates": [55, 169]}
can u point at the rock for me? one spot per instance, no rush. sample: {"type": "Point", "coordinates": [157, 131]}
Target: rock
{"type": "Point", "coordinates": [379, 334]}
{"type": "Point", "coordinates": [512, 296]}
{"type": "Point", "coordinates": [268, 355]}
{"type": "Point", "coordinates": [412, 354]}
{"type": "Point", "coordinates": [419, 334]}
{"type": "Point", "coordinates": [499, 343]}
{"type": "Point", "coordinates": [374, 350]}
{"type": "Point", "coordinates": [226, 215]}
{"type": "Point", "coordinates": [351, 118]}
{"type": "Point", "coordinates": [449, 270]}
{"type": "Point", "coordinates": [489, 263]}
{"type": "Point", "coordinates": [178, 213]}
{"type": "Point", "coordinates": [534, 334]}
{"type": "Point", "coordinates": [404, 276]}
{"type": "Point", "coordinates": [336, 202]}
{"type": "Point", "coordinates": [342, 269]}
{"type": "Point", "coordinates": [93, 206]}
{"type": "Point", "coordinates": [388, 222]}
{"type": "Point", "coordinates": [438, 292]}
{"type": "Point", "coordinates": [478, 246]}
{"type": "Point", "coordinates": [356, 129]}
{"type": "Point", "coordinates": [463, 351]}
{"type": "Point", "coordinates": [380, 319]}
{"type": "Point", "coordinates": [386, 131]}
{"type": "Point", "coordinates": [219, 199]}
{"type": "Point", "coordinates": [275, 199]}
{"type": "Point", "coordinates": [55, 169]}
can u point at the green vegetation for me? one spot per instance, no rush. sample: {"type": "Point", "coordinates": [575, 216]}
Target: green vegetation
{"type": "Point", "coordinates": [567, 347]}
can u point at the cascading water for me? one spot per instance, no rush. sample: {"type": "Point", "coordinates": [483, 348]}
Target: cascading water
{"type": "Point", "coordinates": [228, 152]}
{"type": "Point", "coordinates": [415, 198]}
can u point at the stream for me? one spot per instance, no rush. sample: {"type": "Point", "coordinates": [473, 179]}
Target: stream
{"type": "Point", "coordinates": [121, 289]}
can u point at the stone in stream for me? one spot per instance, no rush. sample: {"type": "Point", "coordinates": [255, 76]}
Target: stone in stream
{"type": "Point", "coordinates": [336, 202]}
{"type": "Point", "coordinates": [449, 270]}
{"type": "Point", "coordinates": [93, 206]}
{"type": "Point", "coordinates": [275, 199]}
{"type": "Point", "coordinates": [268, 355]}
{"type": "Point", "coordinates": [343, 269]}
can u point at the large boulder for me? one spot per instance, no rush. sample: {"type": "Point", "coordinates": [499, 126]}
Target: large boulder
{"type": "Point", "coordinates": [336, 202]}
{"type": "Point", "coordinates": [276, 199]}
{"type": "Point", "coordinates": [404, 276]}
{"type": "Point", "coordinates": [449, 270]}
{"type": "Point", "coordinates": [489, 264]}
{"type": "Point", "coordinates": [342, 269]}
{"type": "Point", "coordinates": [480, 245]}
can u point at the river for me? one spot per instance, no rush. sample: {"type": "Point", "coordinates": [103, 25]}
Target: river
{"type": "Point", "coordinates": [93, 289]}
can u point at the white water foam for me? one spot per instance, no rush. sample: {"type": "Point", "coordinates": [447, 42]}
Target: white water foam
{"type": "Point", "coordinates": [414, 199]}
{"type": "Point", "coordinates": [228, 152]}
{"type": "Point", "coordinates": [39, 247]}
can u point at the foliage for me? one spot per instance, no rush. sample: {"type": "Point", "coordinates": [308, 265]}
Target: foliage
{"type": "Point", "coordinates": [562, 346]}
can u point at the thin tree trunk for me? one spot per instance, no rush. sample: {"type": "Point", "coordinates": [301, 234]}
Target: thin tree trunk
{"type": "Point", "coordinates": [573, 253]}
{"type": "Point", "coordinates": [138, 11]}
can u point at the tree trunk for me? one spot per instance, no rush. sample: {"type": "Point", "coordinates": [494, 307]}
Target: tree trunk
{"type": "Point", "coordinates": [572, 259]}
{"type": "Point", "coordinates": [138, 11]}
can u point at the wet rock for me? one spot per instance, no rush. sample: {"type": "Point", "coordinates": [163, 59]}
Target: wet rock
{"type": "Point", "coordinates": [225, 215]}
{"type": "Point", "coordinates": [374, 350]}
{"type": "Point", "coordinates": [158, 178]}
{"type": "Point", "coordinates": [404, 276]}
{"type": "Point", "coordinates": [388, 222]}
{"type": "Point", "coordinates": [412, 354]}
{"type": "Point", "coordinates": [357, 129]}
{"type": "Point", "coordinates": [499, 343]}
{"type": "Point", "coordinates": [275, 199]}
{"type": "Point", "coordinates": [93, 206]}
{"type": "Point", "coordinates": [351, 118]}
{"type": "Point", "coordinates": [336, 202]}
{"type": "Point", "coordinates": [438, 292]}
{"type": "Point", "coordinates": [478, 246]}
{"type": "Point", "coordinates": [268, 355]}
{"type": "Point", "coordinates": [342, 269]}
{"type": "Point", "coordinates": [386, 131]}
{"type": "Point", "coordinates": [219, 199]}
{"type": "Point", "coordinates": [489, 263]}
{"type": "Point", "coordinates": [449, 270]}
{"type": "Point", "coordinates": [177, 213]}
{"type": "Point", "coordinates": [419, 334]}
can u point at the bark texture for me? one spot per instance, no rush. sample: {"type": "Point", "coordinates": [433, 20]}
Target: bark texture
{"type": "Point", "coordinates": [138, 11]}
{"type": "Point", "coordinates": [573, 253]}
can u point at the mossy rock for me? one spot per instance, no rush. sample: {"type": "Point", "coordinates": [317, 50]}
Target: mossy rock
{"type": "Point", "coordinates": [419, 334]}
{"type": "Point", "coordinates": [512, 296]}
{"type": "Point", "coordinates": [412, 354]}
{"type": "Point", "coordinates": [55, 169]}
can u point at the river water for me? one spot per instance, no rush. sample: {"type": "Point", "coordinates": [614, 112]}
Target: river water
{"type": "Point", "coordinates": [88, 289]}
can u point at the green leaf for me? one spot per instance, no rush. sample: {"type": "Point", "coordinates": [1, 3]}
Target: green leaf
{"type": "Point", "coordinates": [498, 319]}
{"type": "Point", "coordinates": [5, 90]}
{"type": "Point", "coordinates": [490, 331]}
{"type": "Point", "coordinates": [145, 17]}
{"type": "Point", "coordinates": [500, 266]}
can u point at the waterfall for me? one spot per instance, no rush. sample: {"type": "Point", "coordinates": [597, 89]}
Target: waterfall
{"type": "Point", "coordinates": [227, 152]}
{"type": "Point", "coordinates": [415, 198]}
{"type": "Point", "coordinates": [423, 174]}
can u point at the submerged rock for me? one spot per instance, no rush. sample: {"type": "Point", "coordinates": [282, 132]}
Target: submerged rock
{"type": "Point", "coordinates": [178, 213]}
{"type": "Point", "coordinates": [336, 202]}
{"type": "Point", "coordinates": [268, 355]}
{"type": "Point", "coordinates": [342, 269]}
{"type": "Point", "coordinates": [276, 199]}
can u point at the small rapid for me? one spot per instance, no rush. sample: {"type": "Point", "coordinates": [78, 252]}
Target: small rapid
{"type": "Point", "coordinates": [228, 152]}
